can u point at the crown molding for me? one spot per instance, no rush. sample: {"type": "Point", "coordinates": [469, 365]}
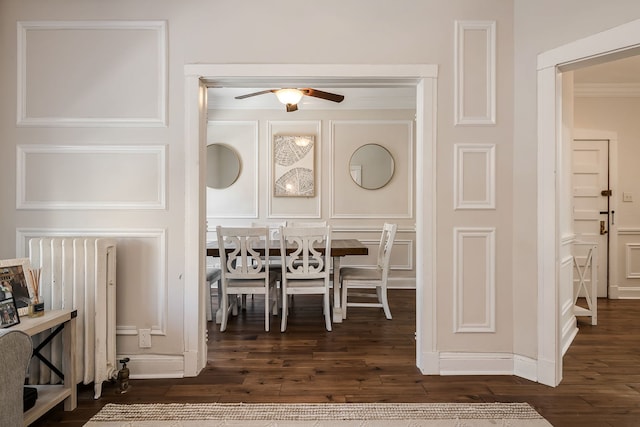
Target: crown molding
{"type": "Point", "coordinates": [600, 90]}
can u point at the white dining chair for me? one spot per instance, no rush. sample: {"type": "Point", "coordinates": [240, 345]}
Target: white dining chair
{"type": "Point", "coordinates": [370, 277]}
{"type": "Point", "coordinates": [244, 271]}
{"type": "Point", "coordinates": [293, 223]}
{"type": "Point", "coordinates": [214, 275]}
{"type": "Point", "coordinates": [306, 270]}
{"type": "Point", "coordinates": [274, 261]}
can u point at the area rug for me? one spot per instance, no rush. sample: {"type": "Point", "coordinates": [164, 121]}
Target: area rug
{"type": "Point", "coordinates": [319, 415]}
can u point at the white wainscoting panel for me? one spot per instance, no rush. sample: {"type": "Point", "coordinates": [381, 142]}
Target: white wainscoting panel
{"type": "Point", "coordinates": [569, 326]}
{"type": "Point", "coordinates": [92, 73]}
{"type": "Point", "coordinates": [141, 274]}
{"type": "Point", "coordinates": [474, 176]}
{"type": "Point", "coordinates": [295, 207]}
{"type": "Point", "coordinates": [401, 255]}
{"type": "Point", "coordinates": [91, 177]}
{"type": "Point", "coordinates": [632, 260]}
{"type": "Point", "coordinates": [627, 266]}
{"type": "Point", "coordinates": [241, 199]}
{"type": "Point", "coordinates": [474, 282]}
{"type": "Point", "coordinates": [394, 200]}
{"type": "Point", "coordinates": [475, 73]}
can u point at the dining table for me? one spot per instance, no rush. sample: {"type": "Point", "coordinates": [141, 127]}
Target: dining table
{"type": "Point", "coordinates": [339, 248]}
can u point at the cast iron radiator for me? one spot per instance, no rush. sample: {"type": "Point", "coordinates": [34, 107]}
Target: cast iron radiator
{"type": "Point", "coordinates": [79, 273]}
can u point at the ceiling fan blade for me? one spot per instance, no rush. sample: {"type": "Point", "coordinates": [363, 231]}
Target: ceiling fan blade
{"type": "Point", "coordinates": [262, 92]}
{"type": "Point", "coordinates": [292, 107]}
{"type": "Point", "coordinates": [324, 95]}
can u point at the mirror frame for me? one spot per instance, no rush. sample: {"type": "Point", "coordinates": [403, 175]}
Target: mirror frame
{"type": "Point", "coordinates": [385, 151]}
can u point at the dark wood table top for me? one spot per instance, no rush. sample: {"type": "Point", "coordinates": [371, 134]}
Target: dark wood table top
{"type": "Point", "coordinates": [339, 247]}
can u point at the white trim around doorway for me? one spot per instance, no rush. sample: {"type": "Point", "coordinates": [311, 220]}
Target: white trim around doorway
{"type": "Point", "coordinates": [199, 76]}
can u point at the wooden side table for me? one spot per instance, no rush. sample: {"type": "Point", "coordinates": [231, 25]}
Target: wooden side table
{"type": "Point", "coordinates": [63, 321]}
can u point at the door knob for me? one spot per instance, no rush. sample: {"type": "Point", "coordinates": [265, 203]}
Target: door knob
{"type": "Point", "coordinates": [602, 230]}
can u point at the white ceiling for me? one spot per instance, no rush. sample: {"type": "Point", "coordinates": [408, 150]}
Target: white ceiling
{"type": "Point", "coordinates": [356, 98]}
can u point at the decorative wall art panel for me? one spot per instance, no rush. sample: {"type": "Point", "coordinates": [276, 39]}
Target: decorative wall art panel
{"type": "Point", "coordinates": [293, 166]}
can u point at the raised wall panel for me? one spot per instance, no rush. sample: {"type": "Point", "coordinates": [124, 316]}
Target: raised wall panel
{"type": "Point", "coordinates": [241, 199]}
{"type": "Point", "coordinates": [569, 248]}
{"type": "Point", "coordinates": [394, 200]}
{"type": "Point", "coordinates": [91, 177]}
{"type": "Point", "coordinates": [475, 73]}
{"type": "Point", "coordinates": [295, 207]}
{"type": "Point", "coordinates": [92, 73]}
{"type": "Point", "coordinates": [632, 260]}
{"type": "Point", "coordinates": [474, 176]}
{"type": "Point", "coordinates": [474, 283]}
{"type": "Point", "coordinates": [625, 269]}
{"type": "Point", "coordinates": [143, 294]}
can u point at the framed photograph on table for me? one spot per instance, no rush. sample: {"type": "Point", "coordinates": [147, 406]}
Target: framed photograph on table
{"type": "Point", "coordinates": [15, 281]}
{"type": "Point", "coordinates": [8, 313]}
{"type": "Point", "coordinates": [294, 171]}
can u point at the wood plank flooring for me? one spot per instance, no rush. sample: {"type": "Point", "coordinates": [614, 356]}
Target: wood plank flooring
{"type": "Point", "coordinates": [370, 359]}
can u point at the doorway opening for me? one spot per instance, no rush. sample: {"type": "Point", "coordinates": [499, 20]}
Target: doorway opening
{"type": "Point", "coordinates": [200, 77]}
{"type": "Point", "coordinates": [554, 210]}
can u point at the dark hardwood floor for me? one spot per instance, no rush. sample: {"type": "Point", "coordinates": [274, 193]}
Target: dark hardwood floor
{"type": "Point", "coordinates": [370, 359]}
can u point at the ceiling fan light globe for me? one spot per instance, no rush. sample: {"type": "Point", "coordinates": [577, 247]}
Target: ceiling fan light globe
{"type": "Point", "coordinates": [289, 96]}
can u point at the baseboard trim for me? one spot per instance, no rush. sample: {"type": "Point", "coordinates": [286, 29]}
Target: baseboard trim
{"type": "Point", "coordinates": [152, 366]}
{"type": "Point", "coordinates": [525, 367]}
{"type": "Point", "coordinates": [624, 292]}
{"type": "Point", "coordinates": [455, 363]}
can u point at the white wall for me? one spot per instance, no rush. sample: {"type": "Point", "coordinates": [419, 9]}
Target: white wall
{"type": "Point", "coordinates": [114, 87]}
{"type": "Point", "coordinates": [337, 134]}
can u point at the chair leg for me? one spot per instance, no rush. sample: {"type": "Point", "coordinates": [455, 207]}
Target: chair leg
{"type": "Point", "coordinates": [274, 301]}
{"type": "Point", "coordinates": [327, 312]}
{"type": "Point", "coordinates": [219, 311]}
{"type": "Point", "coordinates": [267, 310]}
{"type": "Point", "coordinates": [385, 302]}
{"type": "Point", "coordinates": [344, 299]}
{"type": "Point", "coordinates": [224, 305]}
{"type": "Point", "coordinates": [209, 306]}
{"type": "Point", "coordinates": [285, 308]}
{"type": "Point", "coordinates": [234, 306]}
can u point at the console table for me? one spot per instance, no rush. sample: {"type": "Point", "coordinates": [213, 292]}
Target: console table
{"type": "Point", "coordinates": [63, 321]}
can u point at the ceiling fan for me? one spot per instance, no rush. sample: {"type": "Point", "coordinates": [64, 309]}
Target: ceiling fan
{"type": "Point", "coordinates": [291, 96]}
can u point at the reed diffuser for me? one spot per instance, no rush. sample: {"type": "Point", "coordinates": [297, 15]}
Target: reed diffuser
{"type": "Point", "coordinates": [36, 308]}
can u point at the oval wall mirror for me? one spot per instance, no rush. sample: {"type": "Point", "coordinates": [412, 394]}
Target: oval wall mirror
{"type": "Point", "coordinates": [223, 166]}
{"type": "Point", "coordinates": [371, 166]}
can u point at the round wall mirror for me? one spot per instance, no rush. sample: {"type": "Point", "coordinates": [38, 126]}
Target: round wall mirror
{"type": "Point", "coordinates": [371, 166]}
{"type": "Point", "coordinates": [223, 166]}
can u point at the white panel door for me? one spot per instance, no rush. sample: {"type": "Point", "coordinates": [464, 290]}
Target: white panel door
{"type": "Point", "coordinates": [590, 183]}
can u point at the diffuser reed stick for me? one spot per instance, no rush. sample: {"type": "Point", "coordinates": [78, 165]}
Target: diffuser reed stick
{"type": "Point", "coordinates": [35, 280]}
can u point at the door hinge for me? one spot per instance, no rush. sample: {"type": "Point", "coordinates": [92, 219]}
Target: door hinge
{"type": "Point", "coordinates": [605, 193]}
